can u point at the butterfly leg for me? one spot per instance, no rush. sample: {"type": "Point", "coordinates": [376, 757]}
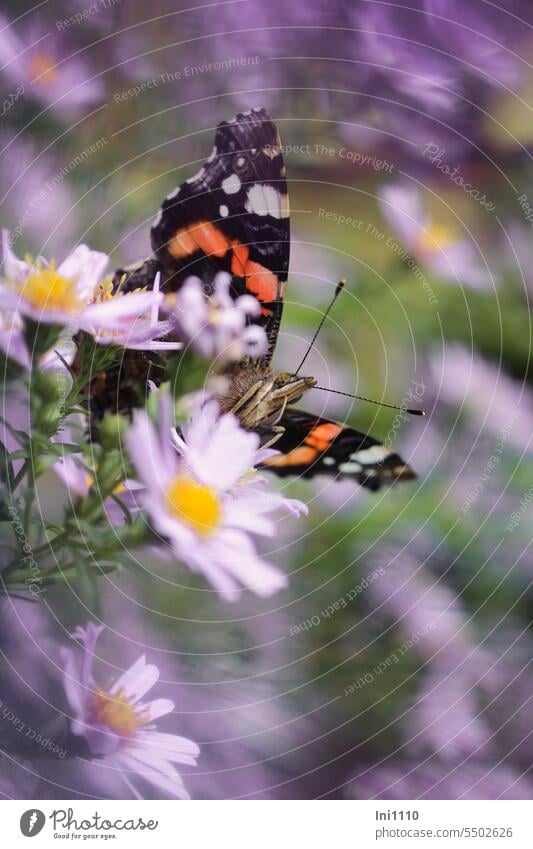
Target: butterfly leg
{"type": "Point", "coordinates": [276, 433]}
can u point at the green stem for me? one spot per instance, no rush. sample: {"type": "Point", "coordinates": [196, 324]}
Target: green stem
{"type": "Point", "coordinates": [20, 474]}
{"type": "Point", "coordinates": [51, 542]}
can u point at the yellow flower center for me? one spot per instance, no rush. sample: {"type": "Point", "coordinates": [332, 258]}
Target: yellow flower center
{"type": "Point", "coordinates": [435, 237]}
{"type": "Point", "coordinates": [43, 69]}
{"type": "Point", "coordinates": [48, 289]}
{"type": "Point", "coordinates": [117, 713]}
{"type": "Point", "coordinates": [195, 504]}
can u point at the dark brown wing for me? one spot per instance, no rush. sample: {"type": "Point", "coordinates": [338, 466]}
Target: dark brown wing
{"type": "Point", "coordinates": [233, 216]}
{"type": "Point", "coordinates": [311, 445]}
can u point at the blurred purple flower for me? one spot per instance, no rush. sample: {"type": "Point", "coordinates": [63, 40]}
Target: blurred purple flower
{"type": "Point", "coordinates": [217, 325]}
{"type": "Point", "coordinates": [117, 725]}
{"type": "Point", "coordinates": [35, 58]}
{"type": "Point", "coordinates": [400, 75]}
{"type": "Point", "coordinates": [436, 779]}
{"type": "Point", "coordinates": [431, 78]}
{"type": "Point", "coordinates": [38, 186]}
{"type": "Point", "coordinates": [495, 402]}
{"type": "Point", "coordinates": [449, 254]}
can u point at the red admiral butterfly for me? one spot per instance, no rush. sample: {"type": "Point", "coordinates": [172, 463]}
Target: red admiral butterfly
{"type": "Point", "coordinates": [233, 216]}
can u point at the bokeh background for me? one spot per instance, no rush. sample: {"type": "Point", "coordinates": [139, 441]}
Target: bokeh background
{"type": "Point", "coordinates": [398, 663]}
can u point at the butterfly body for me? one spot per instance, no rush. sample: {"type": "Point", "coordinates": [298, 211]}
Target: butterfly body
{"type": "Point", "coordinates": [233, 216]}
{"type": "Point", "coordinates": [259, 396]}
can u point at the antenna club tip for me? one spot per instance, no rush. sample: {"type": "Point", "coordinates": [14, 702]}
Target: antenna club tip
{"type": "Point", "coordinates": [416, 412]}
{"type": "Point", "coordinates": [340, 285]}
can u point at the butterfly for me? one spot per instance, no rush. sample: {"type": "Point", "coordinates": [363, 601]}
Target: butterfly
{"type": "Point", "coordinates": [233, 216]}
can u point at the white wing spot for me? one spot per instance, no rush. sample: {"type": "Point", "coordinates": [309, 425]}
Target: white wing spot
{"type": "Point", "coordinates": [197, 177]}
{"type": "Point", "coordinates": [350, 468]}
{"type": "Point", "coordinates": [240, 161]}
{"type": "Point", "coordinates": [328, 461]}
{"type": "Point", "coordinates": [265, 200]}
{"type": "Point", "coordinates": [157, 219]}
{"type": "Point", "coordinates": [224, 211]}
{"type": "Point", "coordinates": [231, 185]}
{"type": "Point", "coordinates": [374, 454]}
{"type": "Point", "coordinates": [173, 194]}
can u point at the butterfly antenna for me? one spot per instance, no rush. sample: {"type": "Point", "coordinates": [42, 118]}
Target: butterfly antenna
{"type": "Point", "coordinates": [340, 286]}
{"type": "Point", "coordinates": [412, 412]}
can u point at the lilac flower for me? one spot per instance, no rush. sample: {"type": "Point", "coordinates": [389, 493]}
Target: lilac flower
{"type": "Point", "coordinates": [118, 726]}
{"type": "Point", "coordinates": [13, 344]}
{"type": "Point", "coordinates": [75, 296]}
{"type": "Point", "coordinates": [202, 494]}
{"type": "Point", "coordinates": [141, 334]}
{"type": "Point", "coordinates": [33, 58]}
{"type": "Point", "coordinates": [216, 326]}
{"type": "Point", "coordinates": [447, 253]}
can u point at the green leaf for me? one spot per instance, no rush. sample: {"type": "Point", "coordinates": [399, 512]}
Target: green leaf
{"type": "Point", "coordinates": [87, 583]}
{"type": "Point", "coordinates": [7, 473]}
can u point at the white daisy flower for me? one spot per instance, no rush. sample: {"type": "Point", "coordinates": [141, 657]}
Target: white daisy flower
{"type": "Point", "coordinates": [217, 326]}
{"type": "Point", "coordinates": [202, 494]}
{"type": "Point", "coordinates": [118, 726]}
{"type": "Point", "coordinates": [75, 296]}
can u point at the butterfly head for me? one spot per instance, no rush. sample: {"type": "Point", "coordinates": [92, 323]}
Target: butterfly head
{"type": "Point", "coordinates": [259, 396]}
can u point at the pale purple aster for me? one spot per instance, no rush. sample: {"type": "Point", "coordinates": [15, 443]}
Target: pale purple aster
{"type": "Point", "coordinates": [217, 326]}
{"type": "Point", "coordinates": [145, 331]}
{"type": "Point", "coordinates": [75, 295]}
{"type": "Point", "coordinates": [13, 344]}
{"type": "Point", "coordinates": [35, 58]}
{"type": "Point", "coordinates": [202, 494]}
{"type": "Point", "coordinates": [448, 253]}
{"type": "Point", "coordinates": [118, 726]}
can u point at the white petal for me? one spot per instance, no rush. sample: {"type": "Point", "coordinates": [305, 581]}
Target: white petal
{"type": "Point", "coordinates": [157, 772]}
{"type": "Point", "coordinates": [16, 270]}
{"type": "Point", "coordinates": [137, 680]}
{"type": "Point", "coordinates": [158, 708]}
{"type": "Point", "coordinates": [148, 458]}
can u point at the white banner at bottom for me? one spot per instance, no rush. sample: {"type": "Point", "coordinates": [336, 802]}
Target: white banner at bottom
{"type": "Point", "coordinates": [264, 824]}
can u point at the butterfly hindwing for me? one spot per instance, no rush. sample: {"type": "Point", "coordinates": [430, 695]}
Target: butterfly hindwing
{"type": "Point", "coordinates": [311, 445]}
